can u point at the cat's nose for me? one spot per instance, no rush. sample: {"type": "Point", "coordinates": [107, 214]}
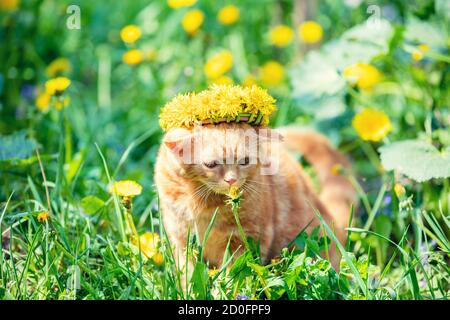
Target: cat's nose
{"type": "Point", "coordinates": [230, 181]}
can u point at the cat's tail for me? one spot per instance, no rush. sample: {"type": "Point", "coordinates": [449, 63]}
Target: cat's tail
{"type": "Point", "coordinates": [336, 191]}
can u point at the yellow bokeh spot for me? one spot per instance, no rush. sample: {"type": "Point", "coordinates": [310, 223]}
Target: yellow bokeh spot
{"type": "Point", "coordinates": [228, 15]}
{"type": "Point", "coordinates": [363, 75]}
{"type": "Point", "coordinates": [57, 86]}
{"type": "Point", "coordinates": [58, 66]}
{"type": "Point", "coordinates": [281, 35]}
{"type": "Point", "coordinates": [249, 80]}
{"type": "Point", "coordinates": [130, 33]}
{"type": "Point", "coordinates": [133, 57]}
{"type": "Point", "coordinates": [62, 102]}
{"type": "Point", "coordinates": [9, 5]}
{"type": "Point", "coordinates": [175, 4]}
{"type": "Point", "coordinates": [192, 21]}
{"type": "Point", "coordinates": [218, 64]}
{"type": "Point", "coordinates": [371, 124]}
{"type": "Point", "coordinates": [222, 80]}
{"type": "Point", "coordinates": [310, 32]}
{"type": "Point", "coordinates": [43, 101]}
{"type": "Point", "coordinates": [418, 52]}
{"type": "Point", "coordinates": [271, 73]}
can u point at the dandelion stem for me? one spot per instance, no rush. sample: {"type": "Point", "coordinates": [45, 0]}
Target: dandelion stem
{"type": "Point", "coordinates": [235, 209]}
{"type": "Point", "coordinates": [131, 228]}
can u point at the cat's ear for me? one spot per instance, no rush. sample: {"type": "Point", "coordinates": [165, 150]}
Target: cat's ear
{"type": "Point", "coordinates": [175, 138]}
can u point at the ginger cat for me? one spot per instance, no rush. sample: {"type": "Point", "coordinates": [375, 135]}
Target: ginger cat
{"type": "Point", "coordinates": [275, 206]}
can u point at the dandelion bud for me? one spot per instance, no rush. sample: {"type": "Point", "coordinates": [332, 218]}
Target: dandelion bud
{"type": "Point", "coordinates": [399, 190]}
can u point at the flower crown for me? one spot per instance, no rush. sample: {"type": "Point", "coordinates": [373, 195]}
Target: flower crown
{"type": "Point", "coordinates": [219, 103]}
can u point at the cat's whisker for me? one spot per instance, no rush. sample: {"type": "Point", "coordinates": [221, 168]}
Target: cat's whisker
{"type": "Point", "coordinates": [260, 183]}
{"type": "Point", "coordinates": [202, 196]}
{"type": "Point", "coordinates": [198, 190]}
{"type": "Point", "coordinates": [251, 190]}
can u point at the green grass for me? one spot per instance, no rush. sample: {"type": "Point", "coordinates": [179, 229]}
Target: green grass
{"type": "Point", "coordinates": [74, 256]}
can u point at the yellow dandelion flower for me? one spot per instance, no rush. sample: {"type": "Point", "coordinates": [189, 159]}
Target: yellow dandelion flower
{"type": "Point", "coordinates": [43, 101]}
{"type": "Point", "coordinates": [310, 32]}
{"type": "Point", "coordinates": [130, 33]}
{"type": "Point", "coordinates": [192, 21]}
{"type": "Point", "coordinates": [148, 243]}
{"type": "Point", "coordinates": [212, 272]}
{"type": "Point", "coordinates": [336, 169]}
{"type": "Point", "coordinates": [126, 188]}
{"type": "Point", "coordinates": [133, 57]}
{"type": "Point", "coordinates": [62, 102]}
{"type": "Point", "coordinates": [234, 192]}
{"type": "Point", "coordinates": [179, 112]}
{"type": "Point", "coordinates": [423, 47]}
{"type": "Point", "coordinates": [158, 259]}
{"type": "Point", "coordinates": [58, 66]}
{"type": "Point", "coordinates": [43, 216]}
{"type": "Point", "coordinates": [371, 124]}
{"type": "Point", "coordinates": [281, 35]}
{"type": "Point", "coordinates": [418, 52]}
{"type": "Point", "coordinates": [218, 103]}
{"type": "Point", "coordinates": [103, 223]}
{"type": "Point", "coordinates": [363, 75]}
{"type": "Point", "coordinates": [9, 5]}
{"type": "Point", "coordinates": [222, 80]}
{"type": "Point", "coordinates": [399, 190]}
{"type": "Point", "coordinates": [57, 86]}
{"type": "Point", "coordinates": [275, 260]}
{"type": "Point", "coordinates": [258, 101]}
{"type": "Point", "coordinates": [218, 64]}
{"type": "Point", "coordinates": [228, 15]}
{"type": "Point", "coordinates": [272, 73]}
{"type": "Point", "coordinates": [175, 4]}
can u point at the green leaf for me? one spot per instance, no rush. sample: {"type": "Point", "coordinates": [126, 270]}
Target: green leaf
{"type": "Point", "coordinates": [240, 268]}
{"type": "Point", "coordinates": [5, 295]}
{"type": "Point", "coordinates": [416, 159]}
{"type": "Point", "coordinates": [74, 165]}
{"type": "Point", "coordinates": [418, 31]}
{"type": "Point", "coordinates": [123, 248]}
{"type": "Point", "coordinates": [200, 280]}
{"type": "Point", "coordinates": [366, 33]}
{"type": "Point", "coordinates": [383, 226]}
{"type": "Point", "coordinates": [443, 7]}
{"type": "Point", "coordinates": [91, 204]}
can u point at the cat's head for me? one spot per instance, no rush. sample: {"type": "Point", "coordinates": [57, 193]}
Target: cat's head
{"type": "Point", "coordinates": [220, 156]}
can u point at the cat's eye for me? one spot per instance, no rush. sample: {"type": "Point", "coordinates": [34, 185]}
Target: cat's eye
{"type": "Point", "coordinates": [211, 164]}
{"type": "Point", "coordinates": [244, 161]}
